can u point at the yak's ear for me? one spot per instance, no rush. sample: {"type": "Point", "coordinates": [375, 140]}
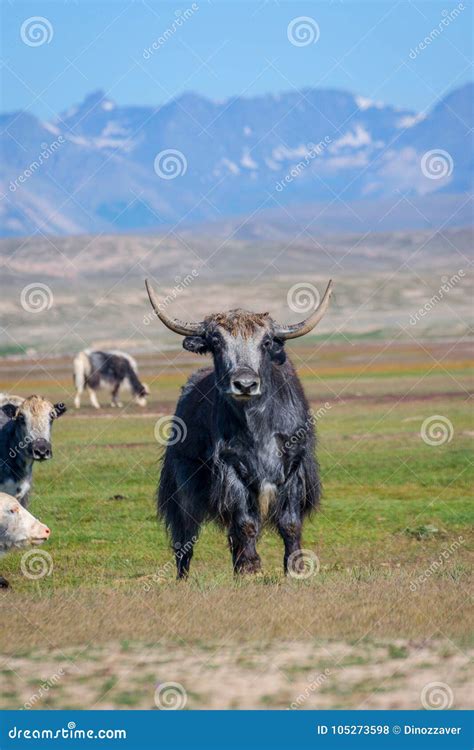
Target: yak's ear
{"type": "Point", "coordinates": [277, 352]}
{"type": "Point", "coordinates": [196, 344]}
{"type": "Point", "coordinates": [59, 410]}
{"type": "Point", "coordinates": [9, 410]}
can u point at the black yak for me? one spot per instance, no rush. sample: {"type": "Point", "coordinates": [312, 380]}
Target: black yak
{"type": "Point", "coordinates": [242, 448]}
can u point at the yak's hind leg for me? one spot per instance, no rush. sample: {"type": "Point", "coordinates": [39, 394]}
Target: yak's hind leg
{"type": "Point", "coordinates": [93, 398]}
{"type": "Point", "coordinates": [180, 503]}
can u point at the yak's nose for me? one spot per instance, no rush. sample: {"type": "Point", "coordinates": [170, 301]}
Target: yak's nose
{"type": "Point", "coordinates": [41, 449]}
{"type": "Point", "coordinates": [245, 383]}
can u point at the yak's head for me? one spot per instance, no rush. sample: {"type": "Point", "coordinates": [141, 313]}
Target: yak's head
{"type": "Point", "coordinates": [244, 345]}
{"type": "Point", "coordinates": [34, 418]}
{"type": "Point", "coordinates": [18, 528]}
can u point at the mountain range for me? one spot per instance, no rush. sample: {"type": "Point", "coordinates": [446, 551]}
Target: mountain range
{"type": "Point", "coordinates": [103, 168]}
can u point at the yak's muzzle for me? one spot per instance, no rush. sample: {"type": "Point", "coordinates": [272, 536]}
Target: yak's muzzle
{"type": "Point", "coordinates": [41, 449]}
{"type": "Point", "coordinates": [245, 384]}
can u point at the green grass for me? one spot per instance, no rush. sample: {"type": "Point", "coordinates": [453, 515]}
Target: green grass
{"type": "Point", "coordinates": [383, 488]}
{"type": "Point", "coordinates": [380, 479]}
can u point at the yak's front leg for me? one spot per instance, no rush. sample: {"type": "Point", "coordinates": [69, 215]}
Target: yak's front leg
{"type": "Point", "coordinates": [243, 536]}
{"type": "Point", "coordinates": [115, 399]}
{"type": "Point", "coordinates": [290, 519]}
{"type": "Point", "coordinates": [235, 502]}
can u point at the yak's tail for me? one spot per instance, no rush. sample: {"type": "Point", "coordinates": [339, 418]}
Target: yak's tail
{"type": "Point", "coordinates": [81, 369]}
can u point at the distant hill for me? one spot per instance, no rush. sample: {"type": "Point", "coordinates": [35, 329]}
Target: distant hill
{"type": "Point", "coordinates": [95, 168]}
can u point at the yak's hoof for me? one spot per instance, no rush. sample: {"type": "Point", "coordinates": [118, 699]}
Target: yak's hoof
{"type": "Point", "coordinates": [248, 567]}
{"type": "Point", "coordinates": [4, 583]}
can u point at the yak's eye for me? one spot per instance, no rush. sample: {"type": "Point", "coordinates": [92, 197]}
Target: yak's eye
{"type": "Point", "coordinates": [267, 343]}
{"type": "Point", "coordinates": [215, 341]}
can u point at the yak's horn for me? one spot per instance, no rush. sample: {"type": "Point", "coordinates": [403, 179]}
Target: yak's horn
{"type": "Point", "coordinates": [178, 326]}
{"type": "Point", "coordinates": [299, 329]}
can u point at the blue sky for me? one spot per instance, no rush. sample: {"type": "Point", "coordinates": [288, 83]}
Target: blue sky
{"type": "Point", "coordinates": [226, 48]}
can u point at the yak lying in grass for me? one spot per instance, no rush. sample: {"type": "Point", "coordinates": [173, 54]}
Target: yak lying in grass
{"type": "Point", "coordinates": [18, 528]}
{"type": "Point", "coordinates": [242, 448]}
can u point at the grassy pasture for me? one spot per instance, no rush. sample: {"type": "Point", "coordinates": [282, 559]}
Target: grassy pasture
{"type": "Point", "coordinates": [393, 540]}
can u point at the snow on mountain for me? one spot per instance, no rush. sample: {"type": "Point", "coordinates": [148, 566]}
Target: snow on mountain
{"type": "Point", "coordinates": [100, 166]}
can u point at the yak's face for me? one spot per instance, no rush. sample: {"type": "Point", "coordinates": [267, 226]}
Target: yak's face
{"type": "Point", "coordinates": [18, 528]}
{"type": "Point", "coordinates": [34, 418]}
{"type": "Point", "coordinates": [243, 347]}
{"type": "Point", "coordinates": [142, 394]}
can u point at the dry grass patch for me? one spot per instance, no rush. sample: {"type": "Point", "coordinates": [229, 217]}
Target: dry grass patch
{"type": "Point", "coordinates": [333, 605]}
{"type": "Point", "coordinates": [282, 674]}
